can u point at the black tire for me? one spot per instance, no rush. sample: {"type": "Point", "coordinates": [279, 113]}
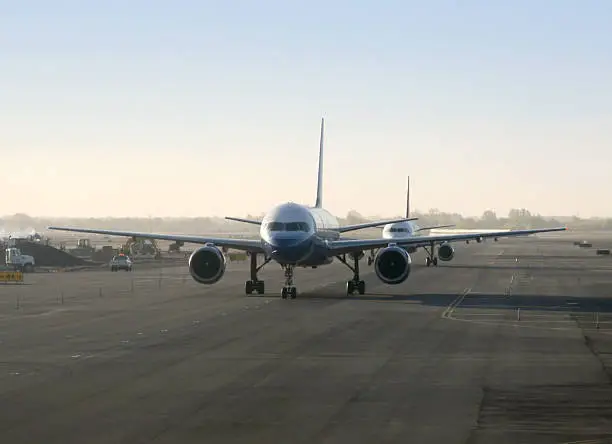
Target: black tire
{"type": "Point", "coordinates": [361, 287]}
{"type": "Point", "coordinates": [350, 287]}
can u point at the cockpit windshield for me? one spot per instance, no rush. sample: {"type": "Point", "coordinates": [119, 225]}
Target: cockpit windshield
{"type": "Point", "coordinates": [289, 226]}
{"type": "Point", "coordinates": [275, 226]}
{"type": "Point", "coordinates": [297, 226]}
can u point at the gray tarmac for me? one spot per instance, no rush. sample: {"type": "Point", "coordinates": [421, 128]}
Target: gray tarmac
{"type": "Point", "coordinates": [508, 343]}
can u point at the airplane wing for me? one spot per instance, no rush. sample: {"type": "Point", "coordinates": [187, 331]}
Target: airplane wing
{"type": "Point", "coordinates": [353, 245]}
{"type": "Point", "coordinates": [246, 221]}
{"type": "Point", "coordinates": [355, 227]}
{"type": "Point", "coordinates": [252, 245]}
{"type": "Point", "coordinates": [434, 227]}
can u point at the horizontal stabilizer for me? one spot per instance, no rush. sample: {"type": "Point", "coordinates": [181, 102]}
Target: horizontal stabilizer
{"type": "Point", "coordinates": [373, 224]}
{"type": "Point", "coordinates": [246, 221]}
{"type": "Point", "coordinates": [434, 227]}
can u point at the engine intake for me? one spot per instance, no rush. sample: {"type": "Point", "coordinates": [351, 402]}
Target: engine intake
{"type": "Point", "coordinates": [446, 252]}
{"type": "Point", "coordinates": [392, 265]}
{"type": "Point", "coordinates": [207, 265]}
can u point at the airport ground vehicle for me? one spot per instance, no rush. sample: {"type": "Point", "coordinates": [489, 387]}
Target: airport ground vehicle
{"type": "Point", "coordinates": [121, 262]}
{"type": "Point", "coordinates": [17, 261]}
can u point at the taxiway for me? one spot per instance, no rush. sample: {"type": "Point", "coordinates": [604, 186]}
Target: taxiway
{"type": "Point", "coordinates": [507, 343]}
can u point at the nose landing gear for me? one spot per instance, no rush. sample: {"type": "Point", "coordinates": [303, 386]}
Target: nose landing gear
{"type": "Point", "coordinates": [289, 289]}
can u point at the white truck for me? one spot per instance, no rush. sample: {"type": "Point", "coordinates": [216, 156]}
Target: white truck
{"type": "Point", "coordinates": [18, 261]}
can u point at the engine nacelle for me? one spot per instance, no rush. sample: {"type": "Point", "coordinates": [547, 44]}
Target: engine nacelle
{"type": "Point", "coordinates": [446, 252]}
{"type": "Point", "coordinates": [392, 265]}
{"type": "Point", "coordinates": [207, 264]}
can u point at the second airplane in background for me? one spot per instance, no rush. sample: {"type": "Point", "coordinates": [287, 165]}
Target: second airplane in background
{"type": "Point", "coordinates": [406, 230]}
{"type": "Point", "coordinates": [296, 235]}
{"type": "Point", "coordinates": [410, 235]}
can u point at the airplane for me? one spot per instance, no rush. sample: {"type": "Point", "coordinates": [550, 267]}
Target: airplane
{"type": "Point", "coordinates": [295, 235]}
{"type": "Point", "coordinates": [405, 230]}
{"type": "Point", "coordinates": [401, 231]}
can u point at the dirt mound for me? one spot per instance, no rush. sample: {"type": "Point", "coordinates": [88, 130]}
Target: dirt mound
{"type": "Point", "coordinates": [47, 256]}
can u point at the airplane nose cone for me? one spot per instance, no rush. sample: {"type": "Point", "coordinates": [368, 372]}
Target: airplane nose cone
{"type": "Point", "coordinates": [283, 242]}
{"type": "Point", "coordinates": [289, 249]}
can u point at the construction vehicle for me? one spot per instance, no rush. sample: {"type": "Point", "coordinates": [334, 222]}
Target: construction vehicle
{"type": "Point", "coordinates": [83, 249]}
{"type": "Point", "coordinates": [175, 247]}
{"type": "Point", "coordinates": [17, 261]}
{"type": "Point", "coordinates": [139, 248]}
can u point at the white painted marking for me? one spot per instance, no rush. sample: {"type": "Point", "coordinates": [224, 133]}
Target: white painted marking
{"type": "Point", "coordinates": [449, 310]}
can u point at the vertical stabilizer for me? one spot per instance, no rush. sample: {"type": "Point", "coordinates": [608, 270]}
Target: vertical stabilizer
{"type": "Point", "coordinates": [408, 199]}
{"type": "Point", "coordinates": [319, 201]}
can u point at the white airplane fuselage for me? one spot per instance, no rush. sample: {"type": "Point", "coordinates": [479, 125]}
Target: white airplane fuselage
{"type": "Point", "coordinates": [400, 230]}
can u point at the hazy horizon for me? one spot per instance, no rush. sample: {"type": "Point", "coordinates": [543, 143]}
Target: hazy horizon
{"type": "Point", "coordinates": [202, 108]}
{"type": "Point", "coordinates": [390, 214]}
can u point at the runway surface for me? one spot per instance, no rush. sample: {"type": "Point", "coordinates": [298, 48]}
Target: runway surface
{"type": "Point", "coordinates": [153, 357]}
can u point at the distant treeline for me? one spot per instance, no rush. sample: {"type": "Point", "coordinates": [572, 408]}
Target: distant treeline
{"type": "Point", "coordinates": [516, 218]}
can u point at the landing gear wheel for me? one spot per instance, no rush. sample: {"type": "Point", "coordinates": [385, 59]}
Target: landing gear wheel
{"type": "Point", "coordinates": [289, 289]}
{"type": "Point", "coordinates": [428, 261]}
{"type": "Point", "coordinates": [255, 284]}
{"type": "Point", "coordinates": [361, 287]}
{"type": "Point", "coordinates": [350, 287]}
{"type": "Point", "coordinates": [289, 292]}
{"type": "Point", "coordinates": [251, 286]}
{"type": "Point", "coordinates": [370, 260]}
{"type": "Point", "coordinates": [435, 261]}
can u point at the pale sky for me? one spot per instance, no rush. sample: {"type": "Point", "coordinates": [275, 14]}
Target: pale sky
{"type": "Point", "coordinates": [197, 108]}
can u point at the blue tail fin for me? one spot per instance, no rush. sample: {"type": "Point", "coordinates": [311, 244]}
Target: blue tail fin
{"type": "Point", "coordinates": [319, 201]}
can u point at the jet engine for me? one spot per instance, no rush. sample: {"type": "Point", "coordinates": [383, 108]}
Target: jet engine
{"type": "Point", "coordinates": [392, 264]}
{"type": "Point", "coordinates": [207, 264]}
{"type": "Point", "coordinates": [446, 252]}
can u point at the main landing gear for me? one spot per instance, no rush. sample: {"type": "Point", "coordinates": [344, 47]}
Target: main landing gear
{"type": "Point", "coordinates": [289, 289]}
{"type": "Point", "coordinates": [355, 283]}
{"type": "Point", "coordinates": [255, 284]}
{"type": "Point", "coordinates": [431, 258]}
